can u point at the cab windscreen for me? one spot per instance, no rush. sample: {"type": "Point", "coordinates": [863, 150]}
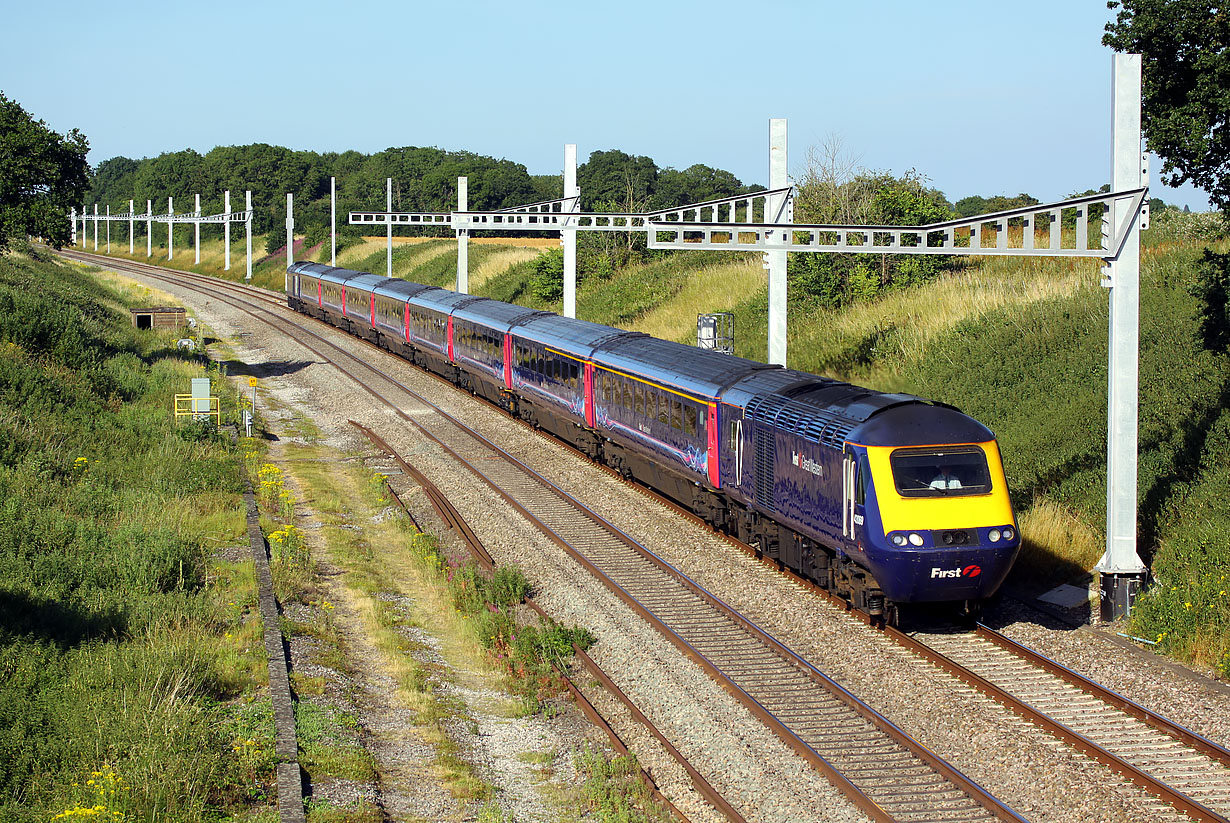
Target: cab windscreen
{"type": "Point", "coordinates": [944, 472]}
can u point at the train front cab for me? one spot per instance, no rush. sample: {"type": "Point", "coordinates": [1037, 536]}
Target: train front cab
{"type": "Point", "coordinates": [931, 521]}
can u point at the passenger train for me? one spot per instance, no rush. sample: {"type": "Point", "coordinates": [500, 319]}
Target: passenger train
{"type": "Point", "coordinates": [886, 499]}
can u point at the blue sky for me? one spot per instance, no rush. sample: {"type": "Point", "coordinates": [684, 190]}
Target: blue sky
{"type": "Point", "coordinates": [982, 98]}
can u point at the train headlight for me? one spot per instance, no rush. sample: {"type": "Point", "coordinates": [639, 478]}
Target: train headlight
{"type": "Point", "coordinates": [1009, 534]}
{"type": "Point", "coordinates": [993, 535]}
{"type": "Point", "coordinates": [899, 540]}
{"type": "Point", "coordinates": [916, 539]}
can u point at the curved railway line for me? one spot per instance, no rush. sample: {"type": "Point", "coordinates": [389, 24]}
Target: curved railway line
{"type": "Point", "coordinates": [883, 771]}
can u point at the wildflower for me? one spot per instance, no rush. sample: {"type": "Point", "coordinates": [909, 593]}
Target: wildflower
{"type": "Point", "coordinates": [1187, 605]}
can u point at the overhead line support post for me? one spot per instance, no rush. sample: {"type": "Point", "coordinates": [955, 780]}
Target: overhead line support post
{"type": "Point", "coordinates": [149, 228]}
{"type": "Point", "coordinates": [108, 228]}
{"type": "Point", "coordinates": [196, 228]}
{"type": "Point", "coordinates": [463, 237]}
{"type": "Point", "coordinates": [95, 227]}
{"type": "Point", "coordinates": [226, 231]}
{"type": "Point", "coordinates": [290, 229]}
{"type": "Point", "coordinates": [775, 261]}
{"type": "Point", "coordinates": [568, 236]}
{"type": "Point", "coordinates": [388, 182]}
{"type": "Point", "coordinates": [248, 225]}
{"type": "Point", "coordinates": [1121, 572]}
{"type": "Point", "coordinates": [333, 222]}
{"type": "Point", "coordinates": [170, 228]}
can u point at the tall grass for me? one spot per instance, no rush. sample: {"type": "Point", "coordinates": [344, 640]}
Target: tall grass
{"type": "Point", "coordinates": [111, 639]}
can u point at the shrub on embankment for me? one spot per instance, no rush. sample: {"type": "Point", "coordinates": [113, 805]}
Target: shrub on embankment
{"type": "Point", "coordinates": [110, 641]}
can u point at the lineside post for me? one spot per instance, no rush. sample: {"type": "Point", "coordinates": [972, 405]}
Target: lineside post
{"type": "Point", "coordinates": [108, 228]}
{"type": "Point", "coordinates": [196, 242]}
{"type": "Point", "coordinates": [388, 182]}
{"type": "Point", "coordinates": [248, 226]}
{"type": "Point", "coordinates": [333, 221]}
{"type": "Point", "coordinates": [1121, 572]}
{"type": "Point", "coordinates": [463, 238]}
{"type": "Point", "coordinates": [95, 227]}
{"type": "Point", "coordinates": [226, 231]}
{"type": "Point", "coordinates": [568, 236]}
{"type": "Point", "coordinates": [290, 229]}
{"type": "Point", "coordinates": [170, 228]}
{"type": "Point", "coordinates": [775, 261]}
{"type": "Point", "coordinates": [149, 228]}
{"type": "Point", "coordinates": [131, 212]}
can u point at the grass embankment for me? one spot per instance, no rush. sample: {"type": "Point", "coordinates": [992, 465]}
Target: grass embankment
{"type": "Point", "coordinates": [127, 662]}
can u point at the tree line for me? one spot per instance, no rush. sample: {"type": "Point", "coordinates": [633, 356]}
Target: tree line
{"type": "Point", "coordinates": [424, 180]}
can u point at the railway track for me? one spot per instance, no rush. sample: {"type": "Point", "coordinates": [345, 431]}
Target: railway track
{"type": "Point", "coordinates": [881, 770]}
{"type": "Point", "coordinates": [1184, 770]}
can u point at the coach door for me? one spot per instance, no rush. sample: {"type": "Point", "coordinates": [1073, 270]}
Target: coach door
{"type": "Point", "coordinates": [849, 478]}
{"type": "Point", "coordinates": [739, 452]}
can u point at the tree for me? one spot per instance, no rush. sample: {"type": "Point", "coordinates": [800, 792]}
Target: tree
{"type": "Point", "coordinates": [42, 176]}
{"type": "Point", "coordinates": [1212, 292]}
{"type": "Point", "coordinates": [617, 177]}
{"type": "Point", "coordinates": [974, 205]}
{"type": "Point", "coordinates": [1186, 70]}
{"type": "Point", "coordinates": [835, 189]}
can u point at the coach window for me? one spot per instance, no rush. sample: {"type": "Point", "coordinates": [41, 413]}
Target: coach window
{"type": "Point", "coordinates": [664, 410]}
{"type": "Point", "coordinates": [676, 413]}
{"type": "Point", "coordinates": [638, 392]}
{"type": "Point", "coordinates": [689, 420]}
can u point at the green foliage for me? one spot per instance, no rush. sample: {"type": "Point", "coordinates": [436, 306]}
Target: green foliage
{"type": "Point", "coordinates": [1212, 292]}
{"type": "Point", "coordinates": [103, 605]}
{"type": "Point", "coordinates": [1186, 69]}
{"type": "Point", "coordinates": [974, 204]}
{"type": "Point", "coordinates": [527, 652]}
{"type": "Point", "coordinates": [618, 301]}
{"type": "Point", "coordinates": [613, 791]}
{"type": "Point", "coordinates": [1187, 610]}
{"type": "Point", "coordinates": [42, 176]}
{"type": "Point", "coordinates": [547, 283]}
{"type": "Point", "coordinates": [834, 280]}
{"type": "Point", "coordinates": [1174, 226]}
{"type": "Point", "coordinates": [616, 181]}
